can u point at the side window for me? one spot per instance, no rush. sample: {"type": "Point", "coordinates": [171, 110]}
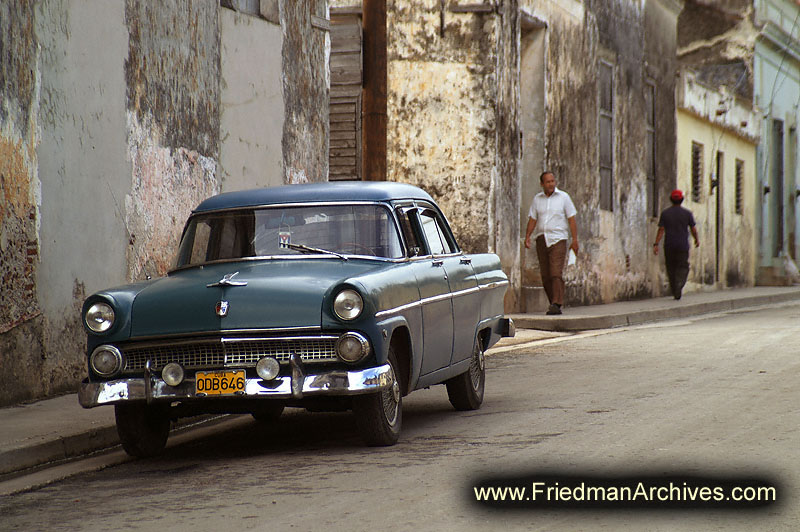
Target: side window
{"type": "Point", "coordinates": [438, 244]}
{"type": "Point", "coordinates": [409, 235]}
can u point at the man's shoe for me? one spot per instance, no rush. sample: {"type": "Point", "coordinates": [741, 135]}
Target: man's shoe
{"type": "Point", "coordinates": [554, 310]}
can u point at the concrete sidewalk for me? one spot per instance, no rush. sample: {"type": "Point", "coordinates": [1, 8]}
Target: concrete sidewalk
{"type": "Point", "coordinates": [56, 430]}
{"type": "Point", "coordinates": [626, 313]}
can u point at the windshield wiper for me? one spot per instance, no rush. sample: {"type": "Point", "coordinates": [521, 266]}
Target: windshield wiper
{"type": "Point", "coordinates": [308, 249]}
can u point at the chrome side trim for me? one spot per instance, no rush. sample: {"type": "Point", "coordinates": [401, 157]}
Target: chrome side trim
{"type": "Point", "coordinates": [493, 285]}
{"type": "Point", "coordinates": [441, 297]}
{"type": "Point", "coordinates": [370, 380]}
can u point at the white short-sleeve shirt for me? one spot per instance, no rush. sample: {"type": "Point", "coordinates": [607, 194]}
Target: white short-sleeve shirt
{"type": "Point", "coordinates": [551, 214]}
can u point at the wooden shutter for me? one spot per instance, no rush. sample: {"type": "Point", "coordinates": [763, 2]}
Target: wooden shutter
{"type": "Point", "coordinates": [345, 103]}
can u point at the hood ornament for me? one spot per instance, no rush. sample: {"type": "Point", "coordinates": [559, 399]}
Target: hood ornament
{"type": "Point", "coordinates": [228, 281]}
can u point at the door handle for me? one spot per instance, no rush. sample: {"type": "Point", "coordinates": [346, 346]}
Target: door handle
{"type": "Point", "coordinates": [437, 262]}
{"type": "Point", "coordinates": [466, 260]}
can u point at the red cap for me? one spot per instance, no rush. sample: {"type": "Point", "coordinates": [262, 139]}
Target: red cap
{"type": "Point", "coordinates": [676, 195]}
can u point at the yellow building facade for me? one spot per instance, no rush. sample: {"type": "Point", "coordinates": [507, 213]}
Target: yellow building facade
{"type": "Point", "coordinates": [717, 139]}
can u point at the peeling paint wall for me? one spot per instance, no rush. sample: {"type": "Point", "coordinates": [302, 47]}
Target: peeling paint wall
{"type": "Point", "coordinates": [19, 181]}
{"type": "Point", "coordinates": [109, 136]}
{"type": "Point", "coordinates": [452, 116]}
{"type": "Point", "coordinates": [751, 47]}
{"type": "Point", "coordinates": [638, 39]}
{"type": "Point", "coordinates": [442, 111]}
{"type": "Point", "coordinates": [20, 319]}
{"type": "Point", "coordinates": [173, 98]}
{"type": "Point", "coordinates": [463, 125]}
{"type": "Point", "coordinates": [306, 83]}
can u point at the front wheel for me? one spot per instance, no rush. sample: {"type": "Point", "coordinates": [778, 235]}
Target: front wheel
{"type": "Point", "coordinates": [142, 429]}
{"type": "Point", "coordinates": [465, 391]}
{"type": "Point", "coordinates": [379, 416]}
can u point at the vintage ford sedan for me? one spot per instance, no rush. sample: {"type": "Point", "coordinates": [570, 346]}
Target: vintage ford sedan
{"type": "Point", "coordinates": [328, 296]}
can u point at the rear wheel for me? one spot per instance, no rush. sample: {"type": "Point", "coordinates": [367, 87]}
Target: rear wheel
{"type": "Point", "coordinates": [143, 429]}
{"type": "Point", "coordinates": [379, 416]}
{"type": "Point", "coordinates": [465, 391]}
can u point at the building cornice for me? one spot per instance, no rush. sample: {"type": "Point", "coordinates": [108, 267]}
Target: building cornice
{"type": "Point", "coordinates": [778, 38]}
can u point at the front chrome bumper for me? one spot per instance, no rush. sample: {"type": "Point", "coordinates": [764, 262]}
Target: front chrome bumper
{"type": "Point", "coordinates": [294, 386]}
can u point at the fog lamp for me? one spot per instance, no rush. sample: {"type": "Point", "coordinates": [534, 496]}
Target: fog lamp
{"type": "Point", "coordinates": [352, 347]}
{"type": "Point", "coordinates": [268, 368]}
{"type": "Point", "coordinates": [173, 374]}
{"type": "Point", "coordinates": [106, 360]}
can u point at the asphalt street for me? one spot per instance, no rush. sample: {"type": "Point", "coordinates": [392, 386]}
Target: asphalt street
{"type": "Point", "coordinates": [710, 397]}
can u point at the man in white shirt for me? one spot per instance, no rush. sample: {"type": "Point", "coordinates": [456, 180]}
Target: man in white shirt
{"type": "Point", "coordinates": [551, 220]}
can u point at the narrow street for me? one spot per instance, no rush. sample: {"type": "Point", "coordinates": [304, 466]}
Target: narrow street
{"type": "Point", "coordinates": [713, 396]}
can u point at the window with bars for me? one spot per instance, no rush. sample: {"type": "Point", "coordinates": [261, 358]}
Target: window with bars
{"type": "Point", "coordinates": [606, 134]}
{"type": "Point", "coordinates": [739, 185]}
{"type": "Point", "coordinates": [697, 172]}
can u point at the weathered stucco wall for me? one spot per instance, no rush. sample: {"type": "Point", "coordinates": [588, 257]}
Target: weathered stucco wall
{"type": "Point", "coordinates": [109, 136]}
{"type": "Point", "coordinates": [82, 164]}
{"type": "Point", "coordinates": [638, 40]}
{"type": "Point", "coordinates": [20, 321]}
{"type": "Point", "coordinates": [461, 126]}
{"type": "Point", "coordinates": [442, 116]}
{"type": "Point", "coordinates": [306, 82]}
{"type": "Point", "coordinates": [777, 84]}
{"type": "Point", "coordinates": [738, 251]}
{"type": "Point", "coordinates": [453, 118]}
{"type": "Point", "coordinates": [251, 123]}
{"type": "Point", "coordinates": [173, 100]}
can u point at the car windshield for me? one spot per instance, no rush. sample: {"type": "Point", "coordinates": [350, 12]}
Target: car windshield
{"type": "Point", "coordinates": [366, 230]}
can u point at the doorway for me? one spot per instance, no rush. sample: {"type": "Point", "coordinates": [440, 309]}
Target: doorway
{"type": "Point", "coordinates": [532, 146]}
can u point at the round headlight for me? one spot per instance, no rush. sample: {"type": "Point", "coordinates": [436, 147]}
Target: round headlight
{"type": "Point", "coordinates": [100, 317]}
{"type": "Point", "coordinates": [172, 374]}
{"type": "Point", "coordinates": [348, 304]}
{"type": "Point", "coordinates": [352, 347]}
{"type": "Point", "coordinates": [106, 360]}
{"type": "Point", "coordinates": [268, 368]}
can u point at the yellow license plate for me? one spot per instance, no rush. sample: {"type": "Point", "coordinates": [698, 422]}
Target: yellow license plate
{"type": "Point", "coordinates": [219, 382]}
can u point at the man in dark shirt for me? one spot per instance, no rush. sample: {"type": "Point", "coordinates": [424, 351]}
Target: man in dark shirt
{"type": "Point", "coordinates": [676, 222]}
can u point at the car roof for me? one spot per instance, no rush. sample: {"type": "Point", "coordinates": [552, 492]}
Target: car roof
{"type": "Point", "coordinates": [314, 192]}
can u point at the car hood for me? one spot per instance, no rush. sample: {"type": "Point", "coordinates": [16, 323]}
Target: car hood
{"type": "Point", "coordinates": [277, 294]}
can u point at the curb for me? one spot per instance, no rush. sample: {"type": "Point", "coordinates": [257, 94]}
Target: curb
{"type": "Point", "coordinates": [58, 450]}
{"type": "Point", "coordinates": [624, 319]}
{"type": "Point", "coordinates": [23, 460]}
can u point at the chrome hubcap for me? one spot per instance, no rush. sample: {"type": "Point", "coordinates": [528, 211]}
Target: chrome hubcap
{"type": "Point", "coordinates": [476, 368]}
{"type": "Point", "coordinates": [391, 400]}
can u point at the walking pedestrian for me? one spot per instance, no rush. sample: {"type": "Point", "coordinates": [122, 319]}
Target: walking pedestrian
{"type": "Point", "coordinates": [551, 220]}
{"type": "Point", "coordinates": [676, 222]}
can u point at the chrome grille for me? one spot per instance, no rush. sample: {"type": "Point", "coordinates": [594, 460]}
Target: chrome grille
{"type": "Point", "coordinates": [229, 352]}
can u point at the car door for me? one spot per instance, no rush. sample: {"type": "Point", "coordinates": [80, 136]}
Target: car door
{"type": "Point", "coordinates": [461, 280]}
{"type": "Point", "coordinates": [434, 293]}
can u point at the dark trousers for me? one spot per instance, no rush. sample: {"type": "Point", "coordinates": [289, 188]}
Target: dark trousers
{"type": "Point", "coordinates": [677, 262]}
{"type": "Point", "coordinates": [551, 266]}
